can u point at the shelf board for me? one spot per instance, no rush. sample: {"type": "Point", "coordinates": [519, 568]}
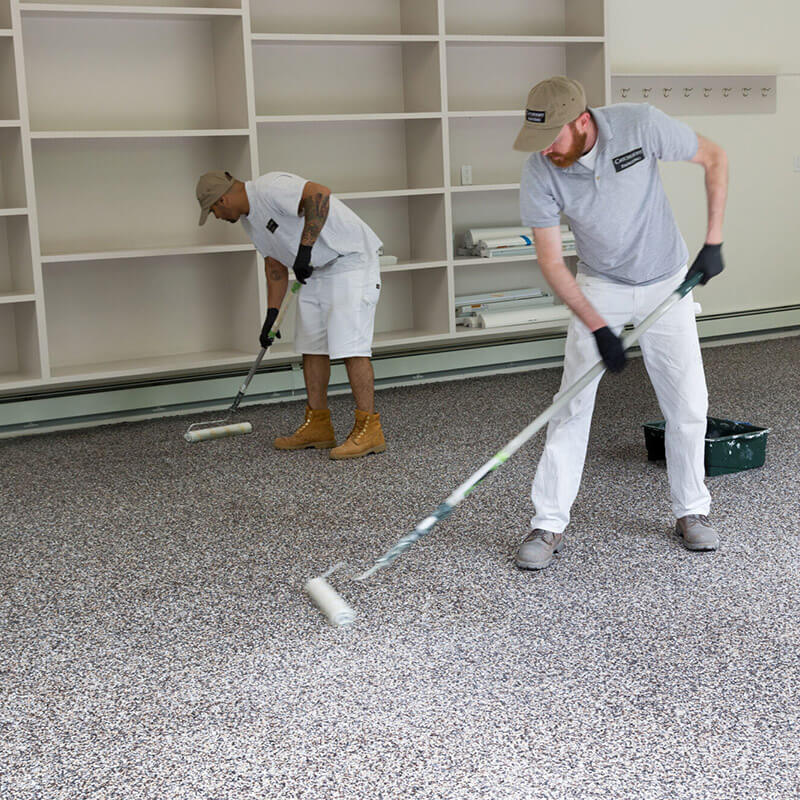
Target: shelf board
{"type": "Point", "coordinates": [108, 255]}
{"type": "Point", "coordinates": [6, 32]}
{"type": "Point", "coordinates": [19, 380]}
{"type": "Point", "coordinates": [515, 113]}
{"type": "Point", "coordinates": [143, 366]}
{"type": "Point", "coordinates": [411, 264]}
{"type": "Point", "coordinates": [7, 298]}
{"type": "Point", "coordinates": [471, 261]}
{"type": "Point", "coordinates": [13, 212]}
{"type": "Point", "coordinates": [168, 12]}
{"type": "Point", "coordinates": [10, 123]}
{"type": "Point", "coordinates": [393, 338]}
{"type": "Point", "coordinates": [341, 38]}
{"type": "Point", "coordinates": [388, 193]}
{"type": "Point", "coordinates": [553, 41]}
{"type": "Point", "coordinates": [486, 187]}
{"type": "Point", "coordinates": [147, 134]}
{"type": "Point", "coordinates": [400, 115]}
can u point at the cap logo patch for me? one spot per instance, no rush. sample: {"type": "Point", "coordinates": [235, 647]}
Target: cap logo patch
{"type": "Point", "coordinates": [534, 116]}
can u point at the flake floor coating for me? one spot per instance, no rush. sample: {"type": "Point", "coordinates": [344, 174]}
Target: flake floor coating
{"type": "Point", "coordinates": [157, 643]}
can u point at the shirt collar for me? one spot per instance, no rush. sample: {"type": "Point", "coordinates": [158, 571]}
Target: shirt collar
{"type": "Point", "coordinates": [604, 134]}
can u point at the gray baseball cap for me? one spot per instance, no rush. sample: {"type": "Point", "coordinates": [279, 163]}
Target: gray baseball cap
{"type": "Point", "coordinates": [551, 105]}
{"type": "Point", "coordinates": [210, 188]}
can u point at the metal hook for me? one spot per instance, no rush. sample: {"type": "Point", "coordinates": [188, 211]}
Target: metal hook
{"type": "Point", "coordinates": [646, 92]}
{"type": "Point", "coordinates": [746, 91]}
{"type": "Point", "coordinates": [707, 92]}
{"type": "Point", "coordinates": [624, 91]}
{"type": "Point", "coordinates": [687, 90]}
{"type": "Point", "coordinates": [765, 91]}
{"type": "Point", "coordinates": [667, 91]}
{"type": "Point", "coordinates": [726, 92]}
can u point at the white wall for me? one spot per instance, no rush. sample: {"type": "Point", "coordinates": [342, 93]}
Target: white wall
{"type": "Point", "coordinates": [762, 230]}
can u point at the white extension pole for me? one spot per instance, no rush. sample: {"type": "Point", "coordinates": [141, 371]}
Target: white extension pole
{"type": "Point", "coordinates": [500, 458]}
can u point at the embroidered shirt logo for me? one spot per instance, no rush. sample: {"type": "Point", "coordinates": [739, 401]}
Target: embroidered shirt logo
{"type": "Point", "coordinates": [534, 116]}
{"type": "Point", "coordinates": [272, 226]}
{"type": "Point", "coordinates": [628, 159]}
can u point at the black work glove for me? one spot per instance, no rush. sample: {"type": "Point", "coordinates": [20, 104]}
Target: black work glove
{"type": "Point", "coordinates": [265, 339]}
{"type": "Point", "coordinates": [708, 263]}
{"type": "Point", "coordinates": [302, 267]}
{"type": "Point", "coordinates": [610, 347]}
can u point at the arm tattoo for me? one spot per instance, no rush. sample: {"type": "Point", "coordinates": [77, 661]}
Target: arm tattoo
{"type": "Point", "coordinates": [316, 207]}
{"type": "Point", "coordinates": [275, 270]}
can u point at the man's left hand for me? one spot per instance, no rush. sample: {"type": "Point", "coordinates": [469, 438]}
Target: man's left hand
{"type": "Point", "coordinates": [302, 264]}
{"type": "Point", "coordinates": [708, 263]}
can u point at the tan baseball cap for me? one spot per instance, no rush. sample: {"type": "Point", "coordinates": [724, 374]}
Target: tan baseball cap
{"type": "Point", "coordinates": [551, 105]}
{"type": "Point", "coordinates": [210, 188]}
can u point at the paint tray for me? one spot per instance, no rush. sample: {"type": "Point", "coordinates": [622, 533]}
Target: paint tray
{"type": "Point", "coordinates": [730, 446]}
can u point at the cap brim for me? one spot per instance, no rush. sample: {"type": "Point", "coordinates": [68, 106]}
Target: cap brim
{"type": "Point", "coordinates": [204, 215]}
{"type": "Point", "coordinates": [532, 140]}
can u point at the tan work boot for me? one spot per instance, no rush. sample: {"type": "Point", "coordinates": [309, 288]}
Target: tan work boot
{"type": "Point", "coordinates": [316, 431]}
{"type": "Point", "coordinates": [366, 437]}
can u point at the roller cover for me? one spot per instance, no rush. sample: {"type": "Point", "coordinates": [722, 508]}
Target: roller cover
{"type": "Point", "coordinates": [474, 235]}
{"type": "Point", "coordinates": [505, 241]}
{"type": "Point", "coordinates": [219, 432]}
{"type": "Point", "coordinates": [330, 602]}
{"type": "Point", "coordinates": [523, 316]}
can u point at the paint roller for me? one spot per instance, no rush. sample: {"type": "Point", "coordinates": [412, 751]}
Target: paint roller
{"type": "Point", "coordinates": [220, 428]}
{"type": "Point", "coordinates": [328, 600]}
{"type": "Point", "coordinates": [339, 613]}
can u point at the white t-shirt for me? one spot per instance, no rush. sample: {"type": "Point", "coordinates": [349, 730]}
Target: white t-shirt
{"type": "Point", "coordinates": [345, 242]}
{"type": "Point", "coordinates": [588, 160]}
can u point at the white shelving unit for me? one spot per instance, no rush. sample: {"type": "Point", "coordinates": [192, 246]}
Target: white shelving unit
{"type": "Point", "coordinates": [109, 111]}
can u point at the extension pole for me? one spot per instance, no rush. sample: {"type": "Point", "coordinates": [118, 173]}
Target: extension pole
{"type": "Point", "coordinates": [446, 508]}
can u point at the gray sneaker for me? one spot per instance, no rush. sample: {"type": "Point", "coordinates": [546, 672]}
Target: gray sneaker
{"type": "Point", "coordinates": [537, 550]}
{"type": "Point", "coordinates": [696, 533]}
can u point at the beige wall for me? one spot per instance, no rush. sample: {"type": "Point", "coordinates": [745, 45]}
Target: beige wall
{"type": "Point", "coordinates": [762, 230]}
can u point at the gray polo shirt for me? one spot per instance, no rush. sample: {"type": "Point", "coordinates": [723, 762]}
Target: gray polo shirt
{"type": "Point", "coordinates": [623, 224]}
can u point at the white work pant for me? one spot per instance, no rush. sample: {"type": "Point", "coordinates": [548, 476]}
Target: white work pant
{"type": "Point", "coordinates": [671, 352]}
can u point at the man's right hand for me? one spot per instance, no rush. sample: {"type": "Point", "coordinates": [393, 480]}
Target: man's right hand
{"type": "Point", "coordinates": [611, 350]}
{"type": "Point", "coordinates": [265, 339]}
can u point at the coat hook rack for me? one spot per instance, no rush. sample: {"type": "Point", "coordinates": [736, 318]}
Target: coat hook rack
{"type": "Point", "coordinates": [686, 94]}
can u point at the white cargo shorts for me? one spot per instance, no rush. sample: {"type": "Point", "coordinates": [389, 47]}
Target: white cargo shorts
{"type": "Point", "coordinates": [336, 311]}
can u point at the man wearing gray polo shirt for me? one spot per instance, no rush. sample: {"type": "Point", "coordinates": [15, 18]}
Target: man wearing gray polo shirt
{"type": "Point", "coordinates": [598, 167]}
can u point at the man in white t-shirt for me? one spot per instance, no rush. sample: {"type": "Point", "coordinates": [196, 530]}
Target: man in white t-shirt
{"type": "Point", "coordinates": [294, 221]}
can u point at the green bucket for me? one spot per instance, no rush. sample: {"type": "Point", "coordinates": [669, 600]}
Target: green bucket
{"type": "Point", "coordinates": [730, 446]}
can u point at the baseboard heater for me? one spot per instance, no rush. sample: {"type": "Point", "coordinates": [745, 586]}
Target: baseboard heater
{"type": "Point", "coordinates": [66, 407]}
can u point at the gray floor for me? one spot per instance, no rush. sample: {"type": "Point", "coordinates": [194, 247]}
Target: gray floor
{"type": "Point", "coordinates": [156, 642]}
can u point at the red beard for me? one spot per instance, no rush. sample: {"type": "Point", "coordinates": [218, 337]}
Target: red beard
{"type": "Point", "coordinates": [575, 151]}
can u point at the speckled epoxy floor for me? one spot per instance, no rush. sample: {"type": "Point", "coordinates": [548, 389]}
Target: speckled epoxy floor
{"type": "Point", "coordinates": [156, 642]}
